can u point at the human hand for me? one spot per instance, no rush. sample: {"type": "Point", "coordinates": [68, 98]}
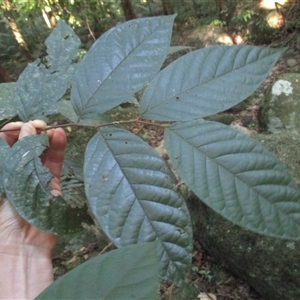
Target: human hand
{"type": "Point", "coordinates": [19, 239]}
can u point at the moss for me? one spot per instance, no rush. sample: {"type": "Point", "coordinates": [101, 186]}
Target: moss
{"type": "Point", "coordinates": [286, 147]}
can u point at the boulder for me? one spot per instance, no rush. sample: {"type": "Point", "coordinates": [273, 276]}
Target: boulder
{"type": "Point", "coordinates": [286, 147]}
{"type": "Point", "coordinates": [291, 63]}
{"type": "Point", "coordinates": [270, 265]}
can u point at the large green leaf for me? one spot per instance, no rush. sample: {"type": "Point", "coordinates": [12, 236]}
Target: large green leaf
{"type": "Point", "coordinates": [174, 49]}
{"type": "Point", "coordinates": [127, 273]}
{"type": "Point", "coordinates": [44, 81]}
{"type": "Point", "coordinates": [236, 176]}
{"type": "Point", "coordinates": [120, 63]}
{"type": "Point", "coordinates": [6, 100]}
{"type": "Point", "coordinates": [130, 190]}
{"type": "Point", "coordinates": [26, 184]}
{"type": "Point", "coordinates": [65, 108]}
{"type": "Point", "coordinates": [4, 148]}
{"type": "Point", "coordinates": [207, 81]}
{"type": "Point", "coordinates": [62, 46]}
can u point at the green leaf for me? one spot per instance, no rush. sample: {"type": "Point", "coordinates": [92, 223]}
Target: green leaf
{"type": "Point", "coordinates": [6, 96]}
{"type": "Point", "coordinates": [62, 46]}
{"type": "Point", "coordinates": [130, 191]}
{"type": "Point", "coordinates": [65, 108]}
{"type": "Point", "coordinates": [236, 176]}
{"type": "Point", "coordinates": [120, 63]}
{"type": "Point", "coordinates": [207, 81]}
{"type": "Point", "coordinates": [4, 148]}
{"type": "Point", "coordinates": [174, 49]}
{"type": "Point", "coordinates": [127, 273]}
{"type": "Point", "coordinates": [26, 184]}
{"type": "Point", "coordinates": [44, 81]}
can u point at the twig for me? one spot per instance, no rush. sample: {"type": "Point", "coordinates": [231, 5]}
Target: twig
{"type": "Point", "coordinates": [7, 121]}
{"type": "Point", "coordinates": [171, 291]}
{"type": "Point", "coordinates": [98, 126]}
{"type": "Point", "coordinates": [89, 28]}
{"type": "Point", "coordinates": [105, 248]}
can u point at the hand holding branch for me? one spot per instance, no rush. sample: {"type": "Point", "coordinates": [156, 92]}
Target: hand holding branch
{"type": "Point", "coordinates": [25, 251]}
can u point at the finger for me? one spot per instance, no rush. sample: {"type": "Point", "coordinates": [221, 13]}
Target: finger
{"type": "Point", "coordinates": [32, 127]}
{"type": "Point", "coordinates": [55, 187]}
{"type": "Point", "coordinates": [53, 156]}
{"type": "Point", "coordinates": [38, 124]}
{"type": "Point", "coordinates": [27, 129]}
{"type": "Point", "coordinates": [11, 136]}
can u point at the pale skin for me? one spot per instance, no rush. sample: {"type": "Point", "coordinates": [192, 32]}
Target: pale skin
{"type": "Point", "coordinates": [25, 251]}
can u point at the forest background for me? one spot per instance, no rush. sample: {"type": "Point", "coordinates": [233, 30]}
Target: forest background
{"type": "Point", "coordinates": [25, 24]}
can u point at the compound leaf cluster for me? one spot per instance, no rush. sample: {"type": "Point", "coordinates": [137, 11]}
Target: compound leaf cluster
{"type": "Point", "coordinates": [130, 190]}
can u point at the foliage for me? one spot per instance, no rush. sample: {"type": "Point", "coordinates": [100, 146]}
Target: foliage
{"type": "Point", "coordinates": [130, 189]}
{"type": "Point", "coordinates": [245, 15]}
{"type": "Point", "coordinates": [246, 19]}
{"type": "Point", "coordinates": [290, 14]}
{"type": "Point", "coordinates": [35, 18]}
{"type": "Point", "coordinates": [116, 275]}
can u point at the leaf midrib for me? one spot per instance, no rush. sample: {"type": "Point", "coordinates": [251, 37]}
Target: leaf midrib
{"type": "Point", "coordinates": [164, 102]}
{"type": "Point", "coordinates": [233, 175]}
{"type": "Point", "coordinates": [86, 104]}
{"type": "Point", "coordinates": [136, 199]}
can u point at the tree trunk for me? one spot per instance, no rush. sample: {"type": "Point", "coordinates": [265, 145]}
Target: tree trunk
{"type": "Point", "coordinates": [4, 76]}
{"type": "Point", "coordinates": [167, 7]}
{"type": "Point", "coordinates": [149, 6]}
{"type": "Point", "coordinates": [219, 6]}
{"type": "Point", "coordinates": [15, 30]}
{"type": "Point", "coordinates": [128, 10]}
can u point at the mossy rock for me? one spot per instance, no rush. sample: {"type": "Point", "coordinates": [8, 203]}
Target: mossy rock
{"type": "Point", "coordinates": [286, 147]}
{"type": "Point", "coordinates": [270, 265]}
{"type": "Point", "coordinates": [280, 110]}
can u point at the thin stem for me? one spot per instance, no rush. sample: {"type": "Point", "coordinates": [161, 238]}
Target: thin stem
{"type": "Point", "coordinates": [7, 121]}
{"type": "Point", "coordinates": [139, 121]}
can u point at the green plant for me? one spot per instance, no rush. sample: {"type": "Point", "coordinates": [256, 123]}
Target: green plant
{"type": "Point", "coordinates": [217, 22]}
{"type": "Point", "coordinates": [130, 189]}
{"type": "Point", "coordinates": [206, 273]}
{"type": "Point", "coordinates": [245, 16]}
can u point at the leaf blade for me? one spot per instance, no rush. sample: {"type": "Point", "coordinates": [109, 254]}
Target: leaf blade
{"type": "Point", "coordinates": [26, 184]}
{"type": "Point", "coordinates": [115, 275]}
{"type": "Point", "coordinates": [103, 80]}
{"type": "Point", "coordinates": [45, 81]}
{"type": "Point", "coordinates": [6, 100]}
{"type": "Point", "coordinates": [207, 81]}
{"type": "Point", "coordinates": [4, 148]}
{"type": "Point", "coordinates": [235, 176]}
{"type": "Point", "coordinates": [130, 192]}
